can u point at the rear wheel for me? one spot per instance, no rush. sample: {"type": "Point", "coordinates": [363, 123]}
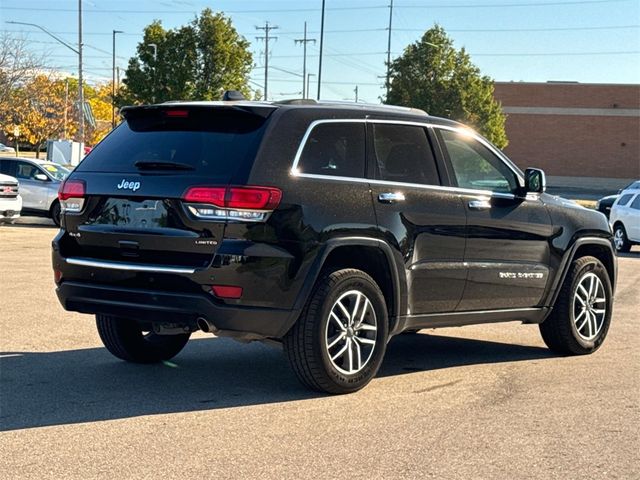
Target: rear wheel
{"type": "Point", "coordinates": [620, 239]}
{"type": "Point", "coordinates": [55, 212]}
{"type": "Point", "coordinates": [338, 343]}
{"type": "Point", "coordinates": [126, 340]}
{"type": "Point", "coordinates": [579, 322]}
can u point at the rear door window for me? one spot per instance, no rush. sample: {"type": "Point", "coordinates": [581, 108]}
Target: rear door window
{"type": "Point", "coordinates": [403, 154]}
{"type": "Point", "coordinates": [636, 203]}
{"type": "Point", "coordinates": [334, 149]}
{"type": "Point", "coordinates": [213, 142]}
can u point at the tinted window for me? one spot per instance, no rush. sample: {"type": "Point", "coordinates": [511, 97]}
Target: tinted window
{"type": "Point", "coordinates": [624, 199]}
{"type": "Point", "coordinates": [215, 142]}
{"type": "Point", "coordinates": [475, 166]}
{"type": "Point", "coordinates": [7, 167]}
{"type": "Point", "coordinates": [636, 203]}
{"type": "Point", "coordinates": [335, 149]}
{"type": "Point", "coordinates": [403, 154]}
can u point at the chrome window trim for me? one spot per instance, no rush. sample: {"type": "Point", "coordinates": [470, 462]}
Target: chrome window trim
{"type": "Point", "coordinates": [295, 173]}
{"type": "Point", "coordinates": [131, 267]}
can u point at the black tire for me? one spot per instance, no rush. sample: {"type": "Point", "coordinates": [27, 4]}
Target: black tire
{"type": "Point", "coordinates": [559, 331]}
{"type": "Point", "coordinates": [621, 242]}
{"type": "Point", "coordinates": [55, 213]}
{"type": "Point", "coordinates": [306, 343]}
{"type": "Point", "coordinates": [125, 339]}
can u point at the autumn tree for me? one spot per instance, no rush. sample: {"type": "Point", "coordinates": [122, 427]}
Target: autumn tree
{"type": "Point", "coordinates": [197, 61]}
{"type": "Point", "coordinates": [433, 75]}
{"type": "Point", "coordinates": [38, 109]}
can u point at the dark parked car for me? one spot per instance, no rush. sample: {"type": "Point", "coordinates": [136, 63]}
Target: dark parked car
{"type": "Point", "coordinates": [605, 203]}
{"type": "Point", "coordinates": [327, 227]}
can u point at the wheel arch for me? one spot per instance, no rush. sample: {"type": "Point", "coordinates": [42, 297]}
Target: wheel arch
{"type": "Point", "coordinates": [373, 256]}
{"type": "Point", "coordinates": [598, 247]}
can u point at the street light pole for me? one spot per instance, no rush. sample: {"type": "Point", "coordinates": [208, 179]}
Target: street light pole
{"type": "Point", "coordinates": [80, 81]}
{"type": "Point", "coordinates": [113, 82]}
{"type": "Point", "coordinates": [78, 52]}
{"type": "Point", "coordinates": [320, 59]}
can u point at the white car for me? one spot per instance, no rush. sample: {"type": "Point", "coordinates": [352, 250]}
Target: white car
{"type": "Point", "coordinates": [6, 149]}
{"type": "Point", "coordinates": [10, 200]}
{"type": "Point", "coordinates": [625, 219]}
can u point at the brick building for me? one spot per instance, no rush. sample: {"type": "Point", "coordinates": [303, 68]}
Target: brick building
{"type": "Point", "coordinates": [590, 131]}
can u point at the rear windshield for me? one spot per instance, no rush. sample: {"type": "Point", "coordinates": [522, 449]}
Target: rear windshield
{"type": "Point", "coordinates": [216, 142]}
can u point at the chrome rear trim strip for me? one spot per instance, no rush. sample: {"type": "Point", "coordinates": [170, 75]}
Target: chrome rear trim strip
{"type": "Point", "coordinates": [131, 267]}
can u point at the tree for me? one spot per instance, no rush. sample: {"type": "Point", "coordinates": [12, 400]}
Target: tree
{"type": "Point", "coordinates": [431, 74]}
{"type": "Point", "coordinates": [197, 61]}
{"type": "Point", "coordinates": [38, 109]}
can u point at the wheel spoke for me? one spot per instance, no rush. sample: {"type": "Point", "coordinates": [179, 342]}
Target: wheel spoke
{"type": "Point", "coordinates": [365, 341]}
{"type": "Point", "coordinates": [344, 309]}
{"type": "Point", "coordinates": [584, 312]}
{"type": "Point", "coordinates": [582, 302]}
{"type": "Point", "coordinates": [350, 354]}
{"type": "Point", "coordinates": [600, 300]}
{"type": "Point", "coordinates": [341, 351]}
{"type": "Point", "coordinates": [585, 294]}
{"type": "Point", "coordinates": [599, 311]}
{"type": "Point", "coordinates": [335, 318]}
{"type": "Point", "coordinates": [592, 286]}
{"type": "Point", "coordinates": [355, 308]}
{"type": "Point", "coordinates": [335, 341]}
{"type": "Point", "coordinates": [356, 346]}
{"type": "Point", "coordinates": [589, 318]}
{"type": "Point", "coordinates": [366, 327]}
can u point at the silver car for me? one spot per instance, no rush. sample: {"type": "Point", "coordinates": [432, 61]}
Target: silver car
{"type": "Point", "coordinates": [39, 183]}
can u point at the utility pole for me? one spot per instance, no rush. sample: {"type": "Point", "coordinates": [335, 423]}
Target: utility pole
{"type": "Point", "coordinates": [80, 82]}
{"type": "Point", "coordinates": [113, 82]}
{"type": "Point", "coordinates": [320, 60]}
{"type": "Point", "coordinates": [267, 28]}
{"type": "Point", "coordinates": [304, 42]}
{"type": "Point", "coordinates": [66, 101]}
{"type": "Point", "coordinates": [309, 75]}
{"type": "Point", "coordinates": [389, 49]}
{"type": "Point", "coordinates": [356, 92]}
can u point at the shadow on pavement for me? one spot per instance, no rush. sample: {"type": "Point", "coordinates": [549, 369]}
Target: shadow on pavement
{"type": "Point", "coordinates": [40, 389]}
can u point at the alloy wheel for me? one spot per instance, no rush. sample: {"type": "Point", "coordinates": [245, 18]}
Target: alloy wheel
{"type": "Point", "coordinates": [618, 238]}
{"type": "Point", "coordinates": [351, 332]}
{"type": "Point", "coordinates": [589, 306]}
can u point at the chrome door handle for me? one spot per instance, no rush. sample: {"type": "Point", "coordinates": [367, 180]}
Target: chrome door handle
{"type": "Point", "coordinates": [479, 204]}
{"type": "Point", "coordinates": [391, 197]}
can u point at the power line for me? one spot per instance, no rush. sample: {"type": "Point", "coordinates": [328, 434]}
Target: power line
{"type": "Point", "coordinates": [368, 7]}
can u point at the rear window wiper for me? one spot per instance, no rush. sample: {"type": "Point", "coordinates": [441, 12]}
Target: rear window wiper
{"type": "Point", "coordinates": [157, 165]}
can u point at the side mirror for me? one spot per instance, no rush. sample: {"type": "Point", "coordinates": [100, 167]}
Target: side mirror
{"type": "Point", "coordinates": [41, 177]}
{"type": "Point", "coordinates": [535, 180]}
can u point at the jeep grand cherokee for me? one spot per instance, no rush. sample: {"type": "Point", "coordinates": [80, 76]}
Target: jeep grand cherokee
{"type": "Point", "coordinates": [327, 227]}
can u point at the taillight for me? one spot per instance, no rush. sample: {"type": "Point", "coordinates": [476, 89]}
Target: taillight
{"type": "Point", "coordinates": [177, 113]}
{"type": "Point", "coordinates": [71, 195]}
{"type": "Point", "coordinates": [234, 203]}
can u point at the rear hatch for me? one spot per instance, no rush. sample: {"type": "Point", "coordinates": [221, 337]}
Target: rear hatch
{"type": "Point", "coordinates": [130, 188]}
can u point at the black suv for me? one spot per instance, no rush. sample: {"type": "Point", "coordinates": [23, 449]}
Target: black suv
{"type": "Point", "coordinates": [327, 227]}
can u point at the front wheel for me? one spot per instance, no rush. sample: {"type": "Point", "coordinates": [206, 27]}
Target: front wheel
{"type": "Point", "coordinates": [126, 340]}
{"type": "Point", "coordinates": [579, 322]}
{"type": "Point", "coordinates": [338, 343]}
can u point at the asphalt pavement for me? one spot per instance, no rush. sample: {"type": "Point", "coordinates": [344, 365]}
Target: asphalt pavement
{"type": "Point", "coordinates": [478, 402]}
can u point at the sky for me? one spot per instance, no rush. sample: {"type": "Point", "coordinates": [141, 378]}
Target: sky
{"type": "Point", "coordinates": [589, 41]}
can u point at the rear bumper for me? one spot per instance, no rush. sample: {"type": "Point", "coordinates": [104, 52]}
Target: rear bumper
{"type": "Point", "coordinates": [158, 307]}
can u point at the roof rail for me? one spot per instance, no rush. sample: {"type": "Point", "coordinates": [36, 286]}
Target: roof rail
{"type": "Point", "coordinates": [346, 103]}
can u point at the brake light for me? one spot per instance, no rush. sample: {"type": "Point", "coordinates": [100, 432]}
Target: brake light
{"type": "Point", "coordinates": [249, 198]}
{"type": "Point", "coordinates": [71, 195]}
{"type": "Point", "coordinates": [177, 113]}
{"type": "Point", "coordinates": [236, 203]}
{"type": "Point", "coordinates": [71, 189]}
